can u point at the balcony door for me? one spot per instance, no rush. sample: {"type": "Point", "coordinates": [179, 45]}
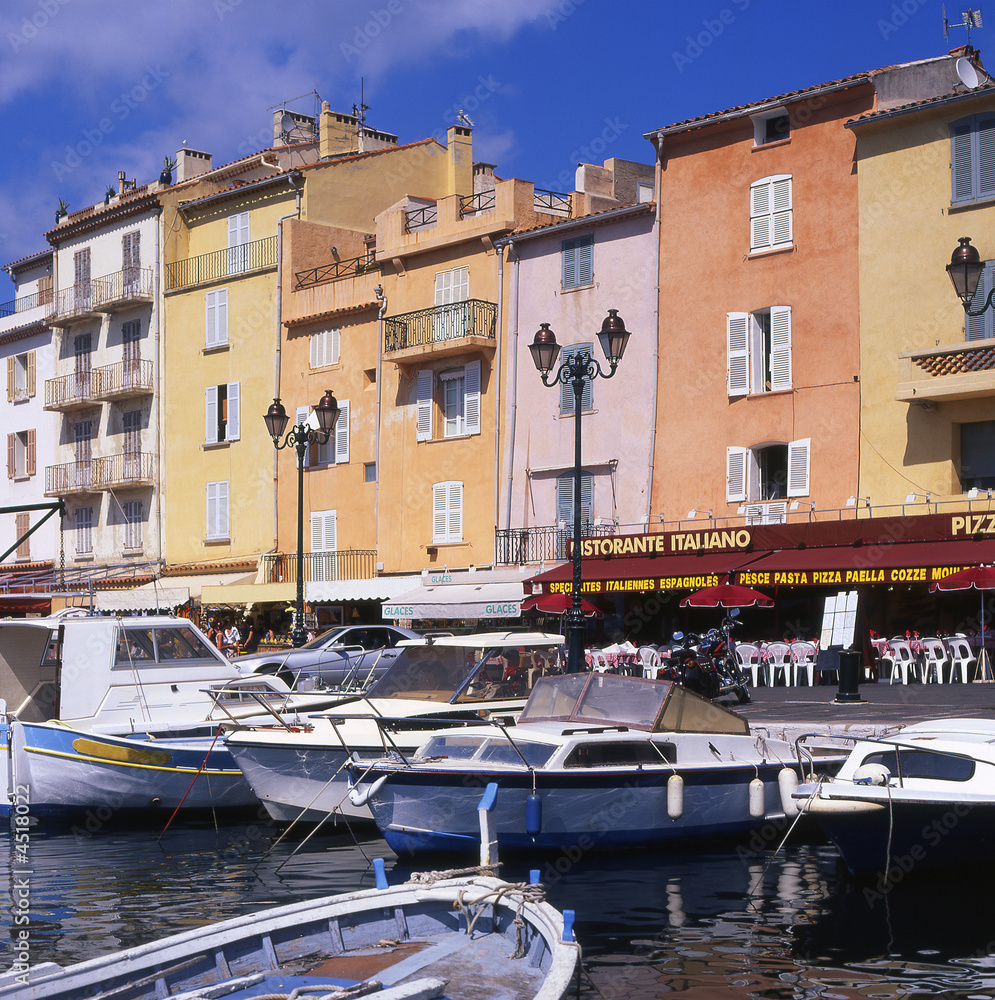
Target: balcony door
{"type": "Point", "coordinates": [131, 368]}
{"type": "Point", "coordinates": [132, 421]}
{"type": "Point", "coordinates": [83, 293]}
{"type": "Point", "coordinates": [130, 263]}
{"type": "Point", "coordinates": [82, 454]}
{"type": "Point", "coordinates": [452, 288]}
{"type": "Point", "coordinates": [83, 369]}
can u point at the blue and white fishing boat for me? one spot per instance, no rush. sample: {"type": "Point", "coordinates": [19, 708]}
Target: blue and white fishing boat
{"type": "Point", "coordinates": [596, 761]}
{"type": "Point", "coordinates": [458, 938]}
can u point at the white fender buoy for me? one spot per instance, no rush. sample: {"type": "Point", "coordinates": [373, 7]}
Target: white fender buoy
{"type": "Point", "coordinates": [675, 796]}
{"type": "Point", "coordinates": [359, 796]}
{"type": "Point", "coordinates": [787, 785]}
{"type": "Point", "coordinates": [757, 808]}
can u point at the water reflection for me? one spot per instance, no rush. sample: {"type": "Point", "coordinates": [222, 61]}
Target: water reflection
{"type": "Point", "coordinates": [723, 922]}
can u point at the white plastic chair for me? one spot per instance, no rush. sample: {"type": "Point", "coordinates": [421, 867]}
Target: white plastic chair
{"type": "Point", "coordinates": [748, 658]}
{"type": "Point", "coordinates": [804, 654]}
{"type": "Point", "coordinates": [599, 662]}
{"type": "Point", "coordinates": [962, 658]}
{"type": "Point", "coordinates": [937, 661]}
{"type": "Point", "coordinates": [779, 658]}
{"type": "Point", "coordinates": [901, 658]}
{"type": "Point", "coordinates": [650, 659]}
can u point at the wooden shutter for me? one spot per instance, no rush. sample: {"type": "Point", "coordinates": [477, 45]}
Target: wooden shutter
{"type": "Point", "coordinates": [584, 264]}
{"type": "Point", "coordinates": [211, 318]}
{"type": "Point", "coordinates": [423, 403]}
{"type": "Point", "coordinates": [961, 171]}
{"type": "Point", "coordinates": [81, 265]}
{"type": "Point", "coordinates": [471, 398]}
{"type": "Point", "coordinates": [324, 544]}
{"type": "Point", "coordinates": [310, 453]}
{"type": "Point", "coordinates": [566, 389]}
{"type": "Point", "coordinates": [983, 326]}
{"type": "Point", "coordinates": [799, 457]}
{"type": "Point", "coordinates": [760, 233]}
{"type": "Point", "coordinates": [986, 156]}
{"type": "Point", "coordinates": [10, 378]}
{"type": "Point", "coordinates": [454, 511]}
{"type": "Point", "coordinates": [780, 347]}
{"type": "Point", "coordinates": [11, 453]}
{"type": "Point", "coordinates": [736, 462]}
{"type": "Point", "coordinates": [781, 209]}
{"type": "Point", "coordinates": [233, 425]}
{"type": "Point", "coordinates": [569, 256]}
{"type": "Point", "coordinates": [217, 510]}
{"type": "Point", "coordinates": [130, 250]}
{"type": "Point", "coordinates": [30, 380]}
{"type": "Point", "coordinates": [29, 453]}
{"type": "Point", "coordinates": [737, 353]}
{"type": "Point", "coordinates": [440, 522]}
{"type": "Point", "coordinates": [211, 414]}
{"type": "Point", "coordinates": [341, 433]}
{"type": "Point", "coordinates": [565, 499]}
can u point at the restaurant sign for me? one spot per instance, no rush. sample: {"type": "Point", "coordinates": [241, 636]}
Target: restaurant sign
{"type": "Point", "coordinates": [665, 543]}
{"type": "Point", "coordinates": [646, 583]}
{"type": "Point", "coordinates": [842, 577]}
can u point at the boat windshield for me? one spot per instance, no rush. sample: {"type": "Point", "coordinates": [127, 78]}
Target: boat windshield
{"type": "Point", "coordinates": [599, 699]}
{"type": "Point", "coordinates": [486, 749]}
{"type": "Point", "coordinates": [461, 674]}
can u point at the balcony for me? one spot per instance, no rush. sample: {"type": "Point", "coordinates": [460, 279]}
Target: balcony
{"type": "Point", "coordinates": [229, 263]}
{"type": "Point", "coordinates": [344, 564]}
{"type": "Point", "coordinates": [337, 269]}
{"type": "Point", "coordinates": [26, 303]}
{"type": "Point", "coordinates": [89, 299]}
{"type": "Point", "coordinates": [542, 544]}
{"type": "Point", "coordinates": [953, 371]}
{"type": "Point", "coordinates": [111, 471]}
{"type": "Point", "coordinates": [441, 330]}
{"type": "Point", "coordinates": [78, 390]}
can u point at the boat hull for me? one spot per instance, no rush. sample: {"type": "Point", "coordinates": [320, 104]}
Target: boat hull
{"type": "Point", "coordinates": [421, 811]}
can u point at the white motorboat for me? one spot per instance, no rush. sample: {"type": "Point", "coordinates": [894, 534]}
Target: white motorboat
{"type": "Point", "coordinates": [919, 798]}
{"type": "Point", "coordinates": [122, 716]}
{"type": "Point", "coordinates": [595, 761]}
{"type": "Point", "coordinates": [299, 776]}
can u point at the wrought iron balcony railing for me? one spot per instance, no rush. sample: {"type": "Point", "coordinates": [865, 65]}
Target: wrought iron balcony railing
{"type": "Point", "coordinates": [440, 324]}
{"type": "Point", "coordinates": [27, 302]}
{"type": "Point", "coordinates": [233, 261]}
{"type": "Point", "coordinates": [71, 477]}
{"type": "Point", "coordinates": [551, 202]}
{"type": "Point", "coordinates": [545, 543]}
{"type": "Point", "coordinates": [472, 204]}
{"type": "Point", "coordinates": [421, 218]}
{"type": "Point", "coordinates": [342, 564]}
{"type": "Point", "coordinates": [118, 381]}
{"type": "Point", "coordinates": [133, 284]}
{"type": "Point", "coordinates": [133, 468]}
{"type": "Point", "coordinates": [337, 269]}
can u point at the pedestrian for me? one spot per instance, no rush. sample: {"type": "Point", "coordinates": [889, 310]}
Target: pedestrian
{"type": "Point", "coordinates": [254, 637]}
{"type": "Point", "coordinates": [231, 641]}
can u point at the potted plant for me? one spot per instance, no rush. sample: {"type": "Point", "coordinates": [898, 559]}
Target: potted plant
{"type": "Point", "coordinates": [109, 193]}
{"type": "Point", "coordinates": [168, 165]}
{"type": "Point", "coordinates": [62, 210]}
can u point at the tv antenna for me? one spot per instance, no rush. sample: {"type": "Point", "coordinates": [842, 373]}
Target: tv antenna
{"type": "Point", "coordinates": [359, 110]}
{"type": "Point", "coordinates": [972, 19]}
{"type": "Point", "coordinates": [464, 119]}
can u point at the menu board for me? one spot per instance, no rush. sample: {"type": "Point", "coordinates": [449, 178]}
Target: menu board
{"type": "Point", "coordinates": [839, 620]}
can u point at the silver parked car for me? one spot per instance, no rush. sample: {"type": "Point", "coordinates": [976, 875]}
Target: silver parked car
{"type": "Point", "coordinates": [349, 655]}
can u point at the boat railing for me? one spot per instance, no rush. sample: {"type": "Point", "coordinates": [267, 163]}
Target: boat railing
{"type": "Point", "coordinates": [805, 753]}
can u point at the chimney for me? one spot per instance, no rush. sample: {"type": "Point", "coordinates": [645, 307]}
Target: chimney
{"type": "Point", "coordinates": [460, 159]}
{"type": "Point", "coordinates": [191, 163]}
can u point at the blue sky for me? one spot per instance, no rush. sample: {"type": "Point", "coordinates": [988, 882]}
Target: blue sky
{"type": "Point", "coordinates": [91, 87]}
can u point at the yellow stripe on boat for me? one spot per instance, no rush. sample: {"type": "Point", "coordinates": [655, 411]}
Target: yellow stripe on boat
{"type": "Point", "coordinates": [124, 755]}
{"type": "Point", "coordinates": [146, 767]}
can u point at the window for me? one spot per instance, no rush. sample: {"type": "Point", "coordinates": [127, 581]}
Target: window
{"type": "Point", "coordinates": [323, 545]}
{"type": "Point", "coordinates": [84, 531]}
{"type": "Point", "coordinates": [324, 348]}
{"type": "Point", "coordinates": [644, 192]}
{"type": "Point", "coordinates": [131, 423]}
{"type": "Point", "coordinates": [82, 452]}
{"type": "Point", "coordinates": [758, 351]}
{"type": "Point", "coordinates": [567, 398]}
{"type": "Point", "coordinates": [977, 455]}
{"type": "Point", "coordinates": [565, 509]}
{"type": "Point", "coordinates": [131, 333]}
{"type": "Point", "coordinates": [217, 511]}
{"type": "Point", "coordinates": [459, 400]}
{"type": "Point", "coordinates": [132, 524]}
{"type": "Point", "coordinates": [22, 525]}
{"type": "Point", "coordinates": [83, 365]}
{"type": "Point", "coordinates": [131, 261]}
{"type": "Point", "coordinates": [578, 261]}
{"type": "Point", "coordinates": [21, 454]}
{"type": "Point", "coordinates": [452, 288]}
{"type": "Point", "coordinates": [81, 269]}
{"type": "Point", "coordinates": [238, 243]}
{"type": "Point", "coordinates": [768, 471]}
{"type": "Point", "coordinates": [981, 327]}
{"type": "Point", "coordinates": [369, 472]}
{"type": "Point", "coordinates": [20, 376]}
{"type": "Point", "coordinates": [222, 413]}
{"type": "Point", "coordinates": [770, 213]}
{"type": "Point", "coordinates": [972, 158]}
{"type": "Point", "coordinates": [216, 317]}
{"type": "Point", "coordinates": [447, 512]}
{"type": "Point", "coordinates": [772, 126]}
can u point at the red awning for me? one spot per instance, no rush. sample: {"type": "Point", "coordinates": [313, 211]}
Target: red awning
{"type": "Point", "coordinates": [621, 575]}
{"type": "Point", "coordinates": [899, 562]}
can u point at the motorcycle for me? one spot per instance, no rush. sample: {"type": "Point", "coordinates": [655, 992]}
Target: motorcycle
{"type": "Point", "coordinates": [706, 664]}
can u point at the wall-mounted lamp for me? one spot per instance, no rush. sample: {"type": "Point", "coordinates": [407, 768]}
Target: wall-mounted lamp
{"type": "Point", "coordinates": [693, 513]}
{"type": "Point", "coordinates": [974, 493]}
{"type": "Point", "coordinates": [795, 504]}
{"type": "Point", "coordinates": [965, 269]}
{"type": "Point", "coordinates": [852, 501]}
{"type": "Point", "coordinates": [913, 497]}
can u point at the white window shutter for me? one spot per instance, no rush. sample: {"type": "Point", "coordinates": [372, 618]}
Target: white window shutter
{"type": "Point", "coordinates": [222, 316]}
{"type": "Point", "coordinates": [10, 378]}
{"type": "Point", "coordinates": [781, 211]}
{"type": "Point", "coordinates": [210, 318]}
{"type": "Point", "coordinates": [314, 342]}
{"type": "Point", "coordinates": [780, 347]}
{"type": "Point", "coordinates": [737, 353]}
{"type": "Point", "coordinates": [736, 459]}
{"type": "Point", "coordinates": [223, 509]}
{"type": "Point", "coordinates": [334, 345]}
{"type": "Point", "coordinates": [233, 239]}
{"type": "Point", "coordinates": [760, 234]}
{"type": "Point", "coordinates": [799, 458]}
{"type": "Point", "coordinates": [232, 428]}
{"type": "Point", "coordinates": [454, 506]}
{"type": "Point", "coordinates": [439, 519]}
{"type": "Point", "coordinates": [211, 414]}
{"type": "Point", "coordinates": [471, 398]}
{"type": "Point", "coordinates": [461, 284]}
{"type": "Point", "coordinates": [423, 425]}
{"type": "Point", "coordinates": [303, 413]}
{"type": "Point", "coordinates": [341, 432]}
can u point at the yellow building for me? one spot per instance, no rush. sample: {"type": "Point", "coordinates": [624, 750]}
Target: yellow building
{"type": "Point", "coordinates": [927, 378]}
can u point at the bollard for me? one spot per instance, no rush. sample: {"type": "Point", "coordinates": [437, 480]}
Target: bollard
{"type": "Point", "coordinates": [849, 677]}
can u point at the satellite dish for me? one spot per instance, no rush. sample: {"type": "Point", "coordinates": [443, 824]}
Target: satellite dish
{"type": "Point", "coordinates": [966, 73]}
{"type": "Point", "coordinates": [287, 121]}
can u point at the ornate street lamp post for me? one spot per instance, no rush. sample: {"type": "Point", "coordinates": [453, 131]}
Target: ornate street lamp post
{"type": "Point", "coordinates": [575, 371]}
{"type": "Point", "coordinates": [965, 269]}
{"type": "Point", "coordinates": [301, 436]}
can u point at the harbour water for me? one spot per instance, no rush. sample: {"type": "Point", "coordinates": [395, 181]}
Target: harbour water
{"type": "Point", "coordinates": [732, 920]}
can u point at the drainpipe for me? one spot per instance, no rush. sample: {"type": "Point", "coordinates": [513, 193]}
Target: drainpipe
{"type": "Point", "coordinates": [513, 388]}
{"type": "Point", "coordinates": [378, 291]}
{"type": "Point", "coordinates": [499, 250]}
{"type": "Point", "coordinates": [658, 185]}
{"type": "Point", "coordinates": [160, 443]}
{"type": "Point", "coordinates": [296, 182]}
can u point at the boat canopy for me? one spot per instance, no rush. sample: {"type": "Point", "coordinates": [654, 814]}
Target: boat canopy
{"type": "Point", "coordinates": [633, 702]}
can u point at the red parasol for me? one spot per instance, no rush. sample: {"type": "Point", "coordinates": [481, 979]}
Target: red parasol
{"type": "Point", "coordinates": [972, 578]}
{"type": "Point", "coordinates": [726, 595]}
{"type": "Point", "coordinates": [557, 604]}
